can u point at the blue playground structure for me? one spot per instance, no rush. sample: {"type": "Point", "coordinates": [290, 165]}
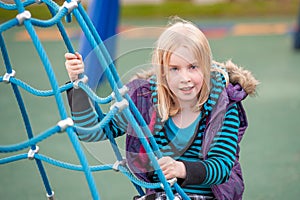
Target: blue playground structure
{"type": "Point", "coordinates": [121, 100]}
{"type": "Point", "coordinates": [105, 17]}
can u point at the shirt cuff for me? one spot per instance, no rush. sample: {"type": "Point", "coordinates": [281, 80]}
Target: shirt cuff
{"type": "Point", "coordinates": [195, 173]}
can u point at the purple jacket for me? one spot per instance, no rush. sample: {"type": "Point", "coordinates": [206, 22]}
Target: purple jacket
{"type": "Point", "coordinates": [137, 159]}
{"type": "Point", "coordinates": [233, 188]}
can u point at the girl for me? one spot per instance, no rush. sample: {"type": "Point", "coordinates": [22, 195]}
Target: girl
{"type": "Point", "coordinates": [185, 98]}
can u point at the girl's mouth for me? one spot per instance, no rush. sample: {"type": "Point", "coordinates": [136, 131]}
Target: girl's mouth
{"type": "Point", "coordinates": [186, 89]}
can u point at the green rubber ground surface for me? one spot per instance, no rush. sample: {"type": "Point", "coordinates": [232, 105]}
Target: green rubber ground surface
{"type": "Point", "coordinates": [270, 150]}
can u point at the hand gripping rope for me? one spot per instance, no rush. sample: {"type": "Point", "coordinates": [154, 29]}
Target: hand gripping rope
{"type": "Point", "coordinates": [65, 124]}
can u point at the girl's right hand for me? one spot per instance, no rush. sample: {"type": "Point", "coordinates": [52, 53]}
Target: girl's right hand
{"type": "Point", "coordinates": [74, 65]}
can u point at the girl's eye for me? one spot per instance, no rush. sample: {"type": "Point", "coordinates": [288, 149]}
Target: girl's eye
{"type": "Point", "coordinates": [173, 68]}
{"type": "Point", "coordinates": [193, 67]}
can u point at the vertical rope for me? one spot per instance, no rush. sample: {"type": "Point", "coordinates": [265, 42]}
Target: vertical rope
{"type": "Point", "coordinates": [62, 110]}
{"type": "Point", "coordinates": [27, 122]}
{"type": "Point", "coordinates": [112, 76]}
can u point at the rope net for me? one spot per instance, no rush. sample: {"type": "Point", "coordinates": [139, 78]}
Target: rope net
{"type": "Point", "coordinates": [123, 103]}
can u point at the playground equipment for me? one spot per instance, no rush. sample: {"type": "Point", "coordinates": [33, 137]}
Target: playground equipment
{"type": "Point", "coordinates": [122, 101]}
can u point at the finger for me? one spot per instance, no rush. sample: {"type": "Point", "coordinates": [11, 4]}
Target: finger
{"type": "Point", "coordinates": [69, 56]}
{"type": "Point", "coordinates": [73, 68]}
{"type": "Point", "coordinates": [160, 161]}
{"type": "Point", "coordinates": [78, 55]}
{"type": "Point", "coordinates": [74, 62]}
{"type": "Point", "coordinates": [74, 74]}
{"type": "Point", "coordinates": [163, 167]}
{"type": "Point", "coordinates": [73, 65]}
{"type": "Point", "coordinates": [162, 164]}
{"type": "Point", "coordinates": [163, 160]}
{"type": "Point", "coordinates": [168, 175]}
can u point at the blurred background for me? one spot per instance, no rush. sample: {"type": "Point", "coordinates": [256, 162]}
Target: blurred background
{"type": "Point", "coordinates": [259, 35]}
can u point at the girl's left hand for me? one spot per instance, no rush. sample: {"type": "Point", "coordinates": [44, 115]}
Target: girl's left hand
{"type": "Point", "coordinates": [172, 168]}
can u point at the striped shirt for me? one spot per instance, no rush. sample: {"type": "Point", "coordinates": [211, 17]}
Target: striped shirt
{"type": "Point", "coordinates": [201, 174]}
{"type": "Point", "coordinates": [222, 154]}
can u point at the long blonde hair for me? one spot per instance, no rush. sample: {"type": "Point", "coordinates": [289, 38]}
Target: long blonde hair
{"type": "Point", "coordinates": [180, 33]}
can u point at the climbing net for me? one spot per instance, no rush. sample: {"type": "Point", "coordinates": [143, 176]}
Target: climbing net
{"type": "Point", "coordinates": [122, 101]}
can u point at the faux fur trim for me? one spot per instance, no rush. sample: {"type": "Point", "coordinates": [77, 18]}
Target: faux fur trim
{"type": "Point", "coordinates": [243, 77]}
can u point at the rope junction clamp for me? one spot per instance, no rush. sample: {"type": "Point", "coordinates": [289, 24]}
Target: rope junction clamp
{"type": "Point", "coordinates": [122, 91]}
{"type": "Point", "coordinates": [38, 1]}
{"type": "Point", "coordinates": [117, 163]}
{"type": "Point", "coordinates": [120, 105]}
{"type": "Point", "coordinates": [170, 181]}
{"type": "Point", "coordinates": [70, 5]}
{"type": "Point", "coordinates": [21, 17]}
{"type": "Point", "coordinates": [63, 124]}
{"type": "Point", "coordinates": [32, 152]}
{"type": "Point", "coordinates": [7, 76]}
{"type": "Point", "coordinates": [84, 79]}
{"type": "Point", "coordinates": [51, 196]}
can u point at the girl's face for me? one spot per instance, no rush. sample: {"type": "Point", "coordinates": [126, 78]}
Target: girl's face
{"type": "Point", "coordinates": [184, 76]}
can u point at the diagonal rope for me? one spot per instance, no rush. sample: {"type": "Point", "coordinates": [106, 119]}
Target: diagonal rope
{"type": "Point", "coordinates": [73, 7]}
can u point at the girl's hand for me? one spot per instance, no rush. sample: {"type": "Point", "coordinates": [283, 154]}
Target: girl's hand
{"type": "Point", "coordinates": [74, 65]}
{"type": "Point", "coordinates": [172, 168]}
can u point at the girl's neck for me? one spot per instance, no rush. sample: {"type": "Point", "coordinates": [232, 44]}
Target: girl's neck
{"type": "Point", "coordinates": [185, 117]}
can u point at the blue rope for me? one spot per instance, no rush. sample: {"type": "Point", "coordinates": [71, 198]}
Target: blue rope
{"type": "Point", "coordinates": [113, 84]}
{"type": "Point", "coordinates": [109, 134]}
{"type": "Point", "coordinates": [62, 111]}
{"type": "Point", "coordinates": [5, 55]}
{"type": "Point", "coordinates": [13, 6]}
{"type": "Point", "coordinates": [70, 166]}
{"type": "Point", "coordinates": [102, 54]}
{"type": "Point", "coordinates": [93, 96]}
{"type": "Point", "coordinates": [93, 32]}
{"type": "Point", "coordinates": [13, 158]}
{"type": "Point", "coordinates": [42, 171]}
{"type": "Point", "coordinates": [36, 92]}
{"type": "Point", "coordinates": [63, 32]}
{"type": "Point", "coordinates": [9, 24]}
{"type": "Point", "coordinates": [53, 21]}
{"type": "Point", "coordinates": [104, 122]}
{"type": "Point", "coordinates": [63, 88]}
{"type": "Point", "coordinates": [29, 142]}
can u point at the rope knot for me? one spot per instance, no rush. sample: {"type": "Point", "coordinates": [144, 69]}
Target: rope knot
{"type": "Point", "coordinates": [21, 17]}
{"type": "Point", "coordinates": [120, 105]}
{"type": "Point", "coordinates": [7, 76]}
{"type": "Point", "coordinates": [32, 152]}
{"type": "Point", "coordinates": [84, 79]}
{"type": "Point", "coordinates": [70, 6]}
{"type": "Point", "coordinates": [122, 91]}
{"type": "Point", "coordinates": [63, 124]}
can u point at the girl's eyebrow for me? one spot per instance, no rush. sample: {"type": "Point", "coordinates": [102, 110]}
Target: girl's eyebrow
{"type": "Point", "coordinates": [190, 64]}
{"type": "Point", "coordinates": [195, 63]}
{"type": "Point", "coordinates": [173, 65]}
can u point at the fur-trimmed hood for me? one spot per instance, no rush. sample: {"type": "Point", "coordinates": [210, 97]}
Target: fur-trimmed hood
{"type": "Point", "coordinates": [241, 76]}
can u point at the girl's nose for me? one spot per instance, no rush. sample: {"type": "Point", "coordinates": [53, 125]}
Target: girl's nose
{"type": "Point", "coordinates": [185, 76]}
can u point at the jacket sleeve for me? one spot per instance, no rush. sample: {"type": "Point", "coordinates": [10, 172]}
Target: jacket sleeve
{"type": "Point", "coordinates": [84, 115]}
{"type": "Point", "coordinates": [221, 155]}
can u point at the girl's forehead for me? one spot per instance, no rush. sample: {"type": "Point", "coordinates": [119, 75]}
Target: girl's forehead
{"type": "Point", "coordinates": [184, 53]}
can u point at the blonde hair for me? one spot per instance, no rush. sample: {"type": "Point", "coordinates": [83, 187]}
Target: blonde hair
{"type": "Point", "coordinates": [180, 33]}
